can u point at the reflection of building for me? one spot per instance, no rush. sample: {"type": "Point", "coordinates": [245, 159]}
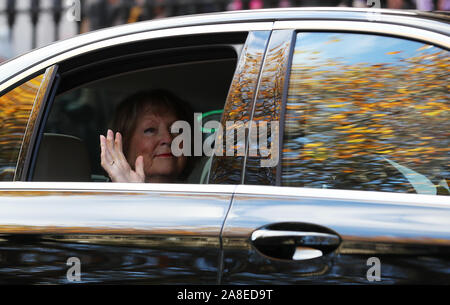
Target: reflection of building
{"type": "Point", "coordinates": [5, 47]}
{"type": "Point", "coordinates": [21, 36]}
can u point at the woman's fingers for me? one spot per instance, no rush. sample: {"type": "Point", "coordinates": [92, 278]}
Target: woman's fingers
{"type": "Point", "coordinates": [114, 161]}
{"type": "Point", "coordinates": [119, 148]}
{"type": "Point", "coordinates": [118, 142]}
{"type": "Point", "coordinates": [139, 167]}
{"type": "Point", "coordinates": [110, 144]}
{"type": "Point", "coordinates": [114, 147]}
{"type": "Point", "coordinates": [105, 156]}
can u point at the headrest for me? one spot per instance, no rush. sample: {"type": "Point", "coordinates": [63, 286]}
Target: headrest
{"type": "Point", "coordinates": [62, 158]}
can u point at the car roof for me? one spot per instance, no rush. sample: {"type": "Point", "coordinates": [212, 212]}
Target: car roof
{"type": "Point", "coordinates": [429, 21]}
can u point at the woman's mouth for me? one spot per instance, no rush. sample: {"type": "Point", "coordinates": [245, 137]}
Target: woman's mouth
{"type": "Point", "coordinates": [167, 155]}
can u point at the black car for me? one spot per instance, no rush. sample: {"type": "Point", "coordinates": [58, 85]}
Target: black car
{"type": "Point", "coordinates": [352, 186]}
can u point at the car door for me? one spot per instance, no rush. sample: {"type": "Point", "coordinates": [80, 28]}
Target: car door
{"type": "Point", "coordinates": [117, 233]}
{"type": "Point", "coordinates": [360, 190]}
{"type": "Point", "coordinates": [97, 232]}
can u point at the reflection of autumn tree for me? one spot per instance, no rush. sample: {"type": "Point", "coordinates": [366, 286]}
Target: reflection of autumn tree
{"type": "Point", "coordinates": [238, 108]}
{"type": "Point", "coordinates": [268, 104]}
{"type": "Point", "coordinates": [343, 120]}
{"type": "Point", "coordinates": [15, 108]}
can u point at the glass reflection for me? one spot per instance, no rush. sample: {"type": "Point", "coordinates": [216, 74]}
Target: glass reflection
{"type": "Point", "coordinates": [367, 112]}
{"type": "Point", "coordinates": [268, 103]}
{"type": "Point", "coordinates": [238, 107]}
{"type": "Point", "coordinates": [15, 108]}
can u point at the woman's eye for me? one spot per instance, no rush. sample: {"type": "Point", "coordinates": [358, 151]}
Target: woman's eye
{"type": "Point", "coordinates": [150, 130]}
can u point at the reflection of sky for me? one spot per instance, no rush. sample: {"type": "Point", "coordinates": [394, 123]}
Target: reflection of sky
{"type": "Point", "coordinates": [277, 39]}
{"type": "Point", "coordinates": [354, 48]}
{"type": "Point", "coordinates": [258, 39]}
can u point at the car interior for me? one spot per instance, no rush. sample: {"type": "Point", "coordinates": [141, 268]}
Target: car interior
{"type": "Point", "coordinates": [68, 147]}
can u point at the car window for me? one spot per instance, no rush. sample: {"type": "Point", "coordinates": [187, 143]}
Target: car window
{"type": "Point", "coordinates": [15, 109]}
{"type": "Point", "coordinates": [367, 112]}
{"type": "Point", "coordinates": [79, 115]}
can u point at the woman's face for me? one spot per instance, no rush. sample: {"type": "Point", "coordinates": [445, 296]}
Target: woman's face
{"type": "Point", "coordinates": [152, 139]}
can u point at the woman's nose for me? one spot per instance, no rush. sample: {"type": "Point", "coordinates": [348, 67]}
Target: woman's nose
{"type": "Point", "coordinates": [166, 137]}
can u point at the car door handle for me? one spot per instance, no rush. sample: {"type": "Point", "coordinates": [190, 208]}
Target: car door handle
{"type": "Point", "coordinates": [294, 245]}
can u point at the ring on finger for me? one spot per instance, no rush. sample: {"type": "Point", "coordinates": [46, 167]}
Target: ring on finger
{"type": "Point", "coordinates": [112, 163]}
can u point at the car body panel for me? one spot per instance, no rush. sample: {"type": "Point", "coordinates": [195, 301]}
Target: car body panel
{"type": "Point", "coordinates": [408, 233]}
{"type": "Point", "coordinates": [122, 233]}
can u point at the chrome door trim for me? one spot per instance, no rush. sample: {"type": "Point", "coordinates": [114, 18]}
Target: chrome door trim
{"type": "Point", "coordinates": [121, 209]}
{"type": "Point", "coordinates": [366, 27]}
{"type": "Point", "coordinates": [359, 196]}
{"type": "Point", "coordinates": [117, 187]}
{"type": "Point", "coordinates": [168, 32]}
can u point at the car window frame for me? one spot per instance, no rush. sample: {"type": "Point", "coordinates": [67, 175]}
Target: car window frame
{"type": "Point", "coordinates": [34, 119]}
{"type": "Point", "coordinates": [175, 57]}
{"type": "Point", "coordinates": [99, 43]}
{"type": "Point", "coordinates": [39, 121]}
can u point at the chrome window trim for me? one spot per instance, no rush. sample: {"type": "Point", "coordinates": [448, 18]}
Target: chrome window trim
{"type": "Point", "coordinates": [31, 131]}
{"type": "Point", "coordinates": [265, 67]}
{"type": "Point", "coordinates": [116, 187]}
{"type": "Point", "coordinates": [245, 79]}
{"type": "Point", "coordinates": [367, 27]}
{"type": "Point", "coordinates": [349, 195]}
{"type": "Point", "coordinates": [252, 111]}
{"type": "Point", "coordinates": [413, 19]}
{"type": "Point", "coordinates": [152, 34]}
{"type": "Point", "coordinates": [429, 21]}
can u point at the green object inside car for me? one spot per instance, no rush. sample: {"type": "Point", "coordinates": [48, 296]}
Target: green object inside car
{"type": "Point", "coordinates": [205, 115]}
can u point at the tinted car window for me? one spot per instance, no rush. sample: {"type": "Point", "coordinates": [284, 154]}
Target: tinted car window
{"type": "Point", "coordinates": [80, 115]}
{"type": "Point", "coordinates": [367, 112]}
{"type": "Point", "coordinates": [15, 109]}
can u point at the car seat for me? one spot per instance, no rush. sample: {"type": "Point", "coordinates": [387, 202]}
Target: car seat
{"type": "Point", "coordinates": [62, 158]}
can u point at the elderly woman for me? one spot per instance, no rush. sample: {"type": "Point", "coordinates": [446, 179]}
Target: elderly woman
{"type": "Point", "coordinates": [140, 150]}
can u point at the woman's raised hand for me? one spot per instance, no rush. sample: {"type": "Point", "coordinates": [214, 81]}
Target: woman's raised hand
{"type": "Point", "coordinates": [114, 162]}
